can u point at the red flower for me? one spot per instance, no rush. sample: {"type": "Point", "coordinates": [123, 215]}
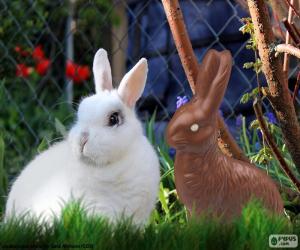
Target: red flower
{"type": "Point", "coordinates": [38, 53]}
{"type": "Point", "coordinates": [82, 73]}
{"type": "Point", "coordinates": [20, 51]}
{"type": "Point", "coordinates": [70, 69]}
{"type": "Point", "coordinates": [42, 66]}
{"type": "Point", "coordinates": [78, 73]}
{"type": "Point", "coordinates": [22, 70]}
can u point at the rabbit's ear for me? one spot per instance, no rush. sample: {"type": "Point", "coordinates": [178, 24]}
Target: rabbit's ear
{"type": "Point", "coordinates": [213, 77]}
{"type": "Point", "coordinates": [133, 83]}
{"type": "Point", "coordinates": [102, 71]}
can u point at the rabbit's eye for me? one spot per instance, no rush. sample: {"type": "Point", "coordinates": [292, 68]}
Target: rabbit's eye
{"type": "Point", "coordinates": [114, 119]}
{"type": "Point", "coordinates": [194, 127]}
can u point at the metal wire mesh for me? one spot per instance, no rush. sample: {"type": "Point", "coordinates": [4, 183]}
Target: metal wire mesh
{"type": "Point", "coordinates": [33, 106]}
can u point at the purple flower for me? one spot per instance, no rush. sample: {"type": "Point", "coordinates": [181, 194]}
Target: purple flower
{"type": "Point", "coordinates": [239, 121]}
{"type": "Point", "coordinates": [181, 101]}
{"type": "Point", "coordinates": [172, 152]}
{"type": "Point", "coordinates": [259, 134]}
{"type": "Point", "coordinates": [271, 117]}
{"type": "Point", "coordinates": [257, 146]}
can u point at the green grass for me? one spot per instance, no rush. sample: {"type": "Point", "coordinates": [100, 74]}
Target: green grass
{"type": "Point", "coordinates": [169, 226]}
{"type": "Point", "coordinates": [263, 156]}
{"type": "Point", "coordinates": [75, 228]}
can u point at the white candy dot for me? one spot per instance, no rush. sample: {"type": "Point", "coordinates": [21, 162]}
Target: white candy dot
{"type": "Point", "coordinates": [195, 127]}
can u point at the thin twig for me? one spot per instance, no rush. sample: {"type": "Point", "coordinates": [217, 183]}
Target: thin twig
{"type": "Point", "coordinates": [287, 41]}
{"type": "Point", "coordinates": [278, 92]}
{"type": "Point", "coordinates": [257, 77]}
{"type": "Point", "coordinates": [190, 65]}
{"type": "Point", "coordinates": [291, 31]}
{"type": "Point", "coordinates": [278, 26]}
{"type": "Point", "coordinates": [182, 41]}
{"type": "Point", "coordinates": [295, 93]}
{"type": "Point", "coordinates": [295, 29]}
{"type": "Point", "coordinates": [270, 141]}
{"type": "Point", "coordinates": [279, 8]}
{"type": "Point", "coordinates": [288, 49]}
{"type": "Point", "coordinates": [291, 5]}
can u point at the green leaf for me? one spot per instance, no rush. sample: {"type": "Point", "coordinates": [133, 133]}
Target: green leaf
{"type": "Point", "coordinates": [254, 124]}
{"type": "Point", "coordinates": [243, 29]}
{"type": "Point", "coordinates": [257, 66]}
{"type": "Point", "coordinates": [245, 98]}
{"type": "Point", "coordinates": [150, 129]}
{"type": "Point", "coordinates": [60, 128]}
{"type": "Point", "coordinates": [264, 156]}
{"type": "Point", "coordinates": [167, 173]}
{"type": "Point", "coordinates": [255, 91]}
{"type": "Point", "coordinates": [3, 175]}
{"type": "Point", "coordinates": [165, 157]}
{"type": "Point", "coordinates": [43, 145]}
{"type": "Point", "coordinates": [244, 132]}
{"type": "Point", "coordinates": [163, 198]}
{"type": "Point", "coordinates": [248, 65]}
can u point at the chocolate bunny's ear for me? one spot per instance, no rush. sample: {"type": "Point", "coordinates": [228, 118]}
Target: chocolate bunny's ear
{"type": "Point", "coordinates": [213, 76]}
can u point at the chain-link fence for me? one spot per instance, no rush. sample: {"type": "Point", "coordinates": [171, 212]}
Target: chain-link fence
{"type": "Point", "coordinates": [47, 47]}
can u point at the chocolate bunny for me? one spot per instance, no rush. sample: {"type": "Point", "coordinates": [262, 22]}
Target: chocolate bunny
{"type": "Point", "coordinates": [207, 180]}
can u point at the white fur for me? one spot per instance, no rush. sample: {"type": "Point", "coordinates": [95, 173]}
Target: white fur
{"type": "Point", "coordinates": [114, 170]}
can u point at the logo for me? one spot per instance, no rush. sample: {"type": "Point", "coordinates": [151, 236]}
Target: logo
{"type": "Point", "coordinates": [283, 241]}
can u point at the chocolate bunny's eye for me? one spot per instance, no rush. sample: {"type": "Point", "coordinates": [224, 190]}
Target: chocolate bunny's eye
{"type": "Point", "coordinates": [194, 127]}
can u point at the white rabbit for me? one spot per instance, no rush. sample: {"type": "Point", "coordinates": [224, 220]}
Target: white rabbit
{"type": "Point", "coordinates": [106, 160]}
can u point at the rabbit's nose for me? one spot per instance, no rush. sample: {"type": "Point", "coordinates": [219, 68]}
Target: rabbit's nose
{"type": "Point", "coordinates": [83, 140]}
{"type": "Point", "coordinates": [84, 135]}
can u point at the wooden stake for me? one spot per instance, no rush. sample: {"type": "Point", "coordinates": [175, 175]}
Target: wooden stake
{"type": "Point", "coordinates": [190, 65]}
